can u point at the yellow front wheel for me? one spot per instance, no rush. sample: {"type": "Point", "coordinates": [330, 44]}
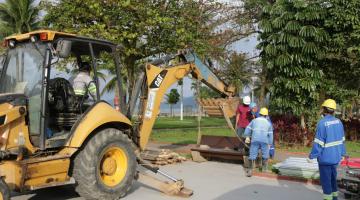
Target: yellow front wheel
{"type": "Point", "coordinates": [105, 168]}
{"type": "Point", "coordinates": [113, 166]}
{"type": "Point", "coordinates": [4, 190]}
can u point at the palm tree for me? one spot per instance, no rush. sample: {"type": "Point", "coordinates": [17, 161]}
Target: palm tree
{"type": "Point", "coordinates": [18, 16]}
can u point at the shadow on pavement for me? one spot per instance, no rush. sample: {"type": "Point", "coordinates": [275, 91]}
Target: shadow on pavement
{"type": "Point", "coordinates": [55, 193]}
{"type": "Point", "coordinates": [285, 190]}
{"type": "Point", "coordinates": [68, 192]}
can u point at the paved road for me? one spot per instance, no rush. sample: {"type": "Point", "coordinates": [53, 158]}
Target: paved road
{"type": "Point", "coordinates": [210, 181]}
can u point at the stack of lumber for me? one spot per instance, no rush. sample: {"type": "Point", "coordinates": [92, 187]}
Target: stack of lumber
{"type": "Point", "coordinates": [161, 156]}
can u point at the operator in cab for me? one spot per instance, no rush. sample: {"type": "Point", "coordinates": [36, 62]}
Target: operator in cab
{"type": "Point", "coordinates": [82, 82]}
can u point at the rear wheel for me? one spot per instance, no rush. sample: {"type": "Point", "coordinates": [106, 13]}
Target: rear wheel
{"type": "Point", "coordinates": [4, 190]}
{"type": "Point", "coordinates": [106, 166]}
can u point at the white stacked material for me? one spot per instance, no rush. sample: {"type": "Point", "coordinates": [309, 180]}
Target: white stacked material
{"type": "Point", "coordinates": [298, 167]}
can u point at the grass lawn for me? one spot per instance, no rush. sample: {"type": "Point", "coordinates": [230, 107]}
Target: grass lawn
{"type": "Point", "coordinates": [188, 122]}
{"type": "Point", "coordinates": [172, 130]}
{"type": "Point", "coordinates": [186, 136]}
{"type": "Point", "coordinates": [352, 148]}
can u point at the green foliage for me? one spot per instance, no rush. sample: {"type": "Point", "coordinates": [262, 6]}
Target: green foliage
{"type": "Point", "coordinates": [142, 28]}
{"type": "Point", "coordinates": [18, 16]}
{"type": "Point", "coordinates": [343, 56]}
{"type": "Point", "coordinates": [173, 97]}
{"type": "Point", "coordinates": [238, 70]}
{"type": "Point", "coordinates": [292, 49]}
{"type": "Point", "coordinates": [205, 91]}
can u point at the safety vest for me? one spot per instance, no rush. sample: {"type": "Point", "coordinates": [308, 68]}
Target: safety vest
{"type": "Point", "coordinates": [329, 142]}
{"type": "Point", "coordinates": [83, 83]}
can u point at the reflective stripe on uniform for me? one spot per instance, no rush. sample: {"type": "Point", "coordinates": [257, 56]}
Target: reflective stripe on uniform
{"type": "Point", "coordinates": [328, 196]}
{"type": "Point", "coordinates": [330, 144]}
{"type": "Point", "coordinates": [321, 143]}
{"type": "Point", "coordinates": [92, 88]}
{"type": "Point", "coordinates": [334, 194]}
{"type": "Point", "coordinates": [80, 92]}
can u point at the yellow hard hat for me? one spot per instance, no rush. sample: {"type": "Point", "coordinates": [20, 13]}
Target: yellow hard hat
{"type": "Point", "coordinates": [264, 111]}
{"type": "Point", "coordinates": [329, 103]}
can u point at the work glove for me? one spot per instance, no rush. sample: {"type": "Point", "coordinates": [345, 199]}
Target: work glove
{"type": "Point", "coordinates": [309, 160]}
{"type": "Point", "coordinates": [247, 140]}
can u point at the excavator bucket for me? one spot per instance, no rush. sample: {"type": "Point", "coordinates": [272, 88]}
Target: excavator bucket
{"type": "Point", "coordinates": [220, 147]}
{"type": "Point", "coordinates": [220, 107]}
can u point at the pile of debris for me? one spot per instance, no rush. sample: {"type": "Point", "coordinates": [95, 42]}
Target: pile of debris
{"type": "Point", "coordinates": [161, 156]}
{"type": "Point", "coordinates": [298, 167]}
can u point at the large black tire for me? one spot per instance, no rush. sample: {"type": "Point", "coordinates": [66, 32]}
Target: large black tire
{"type": "Point", "coordinates": [86, 166]}
{"type": "Point", "coordinates": [347, 196]}
{"type": "Point", "coordinates": [4, 190]}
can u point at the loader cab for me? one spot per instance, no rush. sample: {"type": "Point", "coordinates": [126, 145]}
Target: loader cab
{"type": "Point", "coordinates": [43, 66]}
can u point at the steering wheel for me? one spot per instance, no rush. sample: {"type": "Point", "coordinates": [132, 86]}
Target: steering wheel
{"type": "Point", "coordinates": [61, 95]}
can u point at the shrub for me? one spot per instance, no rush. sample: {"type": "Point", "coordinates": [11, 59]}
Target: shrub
{"type": "Point", "coordinates": [287, 130]}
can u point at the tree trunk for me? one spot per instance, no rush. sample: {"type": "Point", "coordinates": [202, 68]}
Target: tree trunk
{"type": "Point", "coordinates": [129, 63]}
{"type": "Point", "coordinates": [199, 112]}
{"type": "Point", "coordinates": [262, 95]}
{"type": "Point", "coordinates": [198, 98]}
{"type": "Point", "coordinates": [303, 128]}
{"type": "Point", "coordinates": [263, 86]}
{"type": "Point", "coordinates": [182, 102]}
{"type": "Point", "coordinates": [171, 110]}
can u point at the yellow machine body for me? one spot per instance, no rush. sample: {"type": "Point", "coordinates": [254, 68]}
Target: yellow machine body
{"type": "Point", "coordinates": [25, 166]}
{"type": "Point", "coordinates": [52, 170]}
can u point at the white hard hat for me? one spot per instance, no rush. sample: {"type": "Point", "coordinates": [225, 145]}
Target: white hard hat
{"type": "Point", "coordinates": [246, 100]}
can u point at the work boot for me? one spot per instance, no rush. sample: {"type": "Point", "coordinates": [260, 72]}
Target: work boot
{"type": "Point", "coordinates": [246, 162]}
{"type": "Point", "coordinates": [251, 167]}
{"type": "Point", "coordinates": [264, 165]}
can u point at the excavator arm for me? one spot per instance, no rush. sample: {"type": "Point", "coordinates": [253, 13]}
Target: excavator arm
{"type": "Point", "coordinates": [156, 82]}
{"type": "Point", "coordinates": [151, 86]}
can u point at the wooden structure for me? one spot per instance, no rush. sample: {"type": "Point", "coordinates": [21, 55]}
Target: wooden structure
{"type": "Point", "coordinates": [161, 157]}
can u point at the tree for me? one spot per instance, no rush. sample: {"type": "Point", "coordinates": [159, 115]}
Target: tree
{"type": "Point", "coordinates": [293, 47]}
{"type": "Point", "coordinates": [172, 98]}
{"type": "Point", "coordinates": [238, 70]}
{"type": "Point", "coordinates": [18, 16]}
{"type": "Point", "coordinates": [343, 57]}
{"type": "Point", "coordinates": [142, 28]}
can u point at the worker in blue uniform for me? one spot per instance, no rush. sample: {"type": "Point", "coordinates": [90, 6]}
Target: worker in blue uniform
{"type": "Point", "coordinates": [254, 110]}
{"type": "Point", "coordinates": [329, 148]}
{"type": "Point", "coordinates": [255, 114]}
{"type": "Point", "coordinates": [261, 132]}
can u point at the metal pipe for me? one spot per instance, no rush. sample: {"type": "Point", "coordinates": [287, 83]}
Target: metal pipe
{"type": "Point", "coordinates": [155, 169]}
{"type": "Point", "coordinates": [167, 176]}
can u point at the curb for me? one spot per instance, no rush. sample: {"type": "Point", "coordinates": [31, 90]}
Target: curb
{"type": "Point", "coordinates": [287, 178]}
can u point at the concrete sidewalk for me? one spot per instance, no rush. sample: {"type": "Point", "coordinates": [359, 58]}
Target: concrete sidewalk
{"type": "Point", "coordinates": [209, 180]}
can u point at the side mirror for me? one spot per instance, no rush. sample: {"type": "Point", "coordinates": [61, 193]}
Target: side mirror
{"type": "Point", "coordinates": [63, 48]}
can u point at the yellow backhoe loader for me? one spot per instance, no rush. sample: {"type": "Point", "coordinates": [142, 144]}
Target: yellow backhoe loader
{"type": "Point", "coordinates": [50, 135]}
